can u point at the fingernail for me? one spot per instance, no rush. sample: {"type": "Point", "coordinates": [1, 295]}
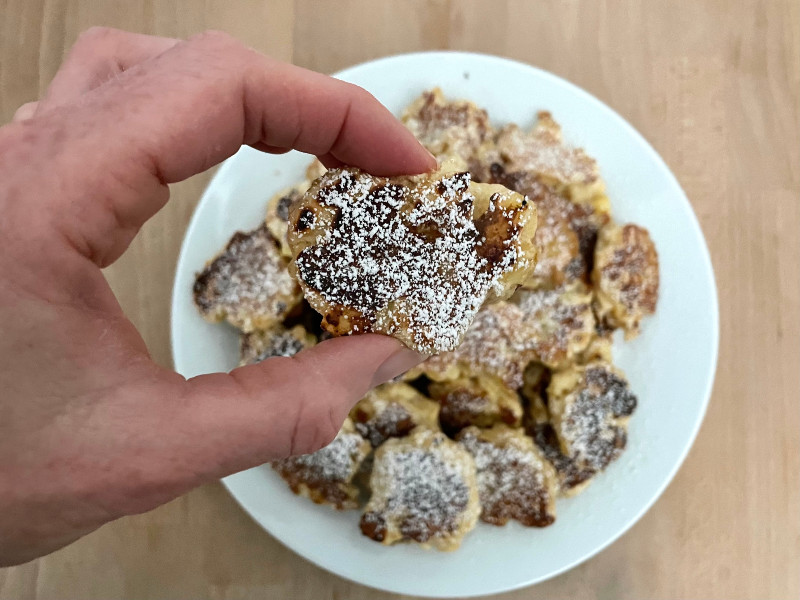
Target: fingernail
{"type": "Point", "coordinates": [397, 364]}
{"type": "Point", "coordinates": [434, 160]}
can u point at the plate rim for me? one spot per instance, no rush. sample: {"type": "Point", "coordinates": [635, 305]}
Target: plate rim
{"type": "Point", "coordinates": [704, 257]}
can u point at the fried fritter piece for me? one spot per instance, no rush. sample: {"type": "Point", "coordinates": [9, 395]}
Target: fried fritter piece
{"type": "Point", "coordinates": [565, 240]}
{"type": "Point", "coordinates": [625, 276]}
{"type": "Point", "coordinates": [256, 346]}
{"type": "Point", "coordinates": [589, 407]}
{"type": "Point", "coordinates": [424, 489]}
{"type": "Point", "coordinates": [277, 219]}
{"type": "Point", "coordinates": [393, 410]}
{"type": "Point", "coordinates": [448, 128]}
{"type": "Point", "coordinates": [326, 476]}
{"type": "Point", "coordinates": [481, 401]}
{"type": "Point", "coordinates": [542, 154]}
{"type": "Point", "coordinates": [491, 347]}
{"type": "Point", "coordinates": [572, 479]}
{"type": "Point", "coordinates": [248, 284]}
{"type": "Point", "coordinates": [515, 480]}
{"type": "Point", "coordinates": [549, 326]}
{"type": "Point", "coordinates": [556, 325]}
{"type": "Point", "coordinates": [410, 257]}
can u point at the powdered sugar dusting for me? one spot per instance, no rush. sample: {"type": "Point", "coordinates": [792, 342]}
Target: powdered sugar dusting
{"type": "Point", "coordinates": [422, 490]}
{"type": "Point", "coordinates": [447, 127]}
{"type": "Point", "coordinates": [249, 283]}
{"type": "Point", "coordinates": [511, 480]}
{"type": "Point", "coordinates": [589, 426]}
{"type": "Point", "coordinates": [407, 258]}
{"type": "Point", "coordinates": [335, 463]}
{"type": "Point", "coordinates": [556, 324]}
{"type": "Point", "coordinates": [489, 346]}
{"type": "Point", "coordinates": [428, 492]}
{"type": "Point", "coordinates": [542, 152]}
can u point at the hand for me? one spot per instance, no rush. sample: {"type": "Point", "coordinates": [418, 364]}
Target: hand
{"type": "Point", "coordinates": [90, 428]}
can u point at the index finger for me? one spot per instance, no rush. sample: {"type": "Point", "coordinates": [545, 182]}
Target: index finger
{"type": "Point", "coordinates": [242, 97]}
{"type": "Point", "coordinates": [188, 109]}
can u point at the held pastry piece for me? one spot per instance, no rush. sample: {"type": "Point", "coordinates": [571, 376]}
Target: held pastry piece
{"type": "Point", "coordinates": [411, 257]}
{"type": "Point", "coordinates": [424, 489]}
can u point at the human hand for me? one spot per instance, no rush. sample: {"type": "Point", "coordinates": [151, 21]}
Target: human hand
{"type": "Point", "coordinates": [90, 428]}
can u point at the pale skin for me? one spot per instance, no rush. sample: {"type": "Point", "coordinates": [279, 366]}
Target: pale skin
{"type": "Point", "coordinates": [91, 429]}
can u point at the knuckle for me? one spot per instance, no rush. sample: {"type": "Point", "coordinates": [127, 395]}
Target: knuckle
{"type": "Point", "coordinates": [26, 111]}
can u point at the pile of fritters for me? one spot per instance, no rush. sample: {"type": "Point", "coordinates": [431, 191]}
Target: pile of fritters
{"type": "Point", "coordinates": [529, 407]}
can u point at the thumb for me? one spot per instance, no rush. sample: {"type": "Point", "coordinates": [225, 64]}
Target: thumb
{"type": "Point", "coordinates": [285, 405]}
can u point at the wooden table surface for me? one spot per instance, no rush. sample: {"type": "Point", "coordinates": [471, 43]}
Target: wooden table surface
{"type": "Point", "coordinates": [714, 86]}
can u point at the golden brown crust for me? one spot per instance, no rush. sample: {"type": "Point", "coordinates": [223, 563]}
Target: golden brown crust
{"type": "Point", "coordinates": [411, 257]}
{"type": "Point", "coordinates": [625, 276]}
{"type": "Point", "coordinates": [515, 480]}
{"type": "Point", "coordinates": [248, 284]}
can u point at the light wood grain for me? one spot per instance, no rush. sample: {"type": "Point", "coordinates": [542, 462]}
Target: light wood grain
{"type": "Point", "coordinates": [714, 85]}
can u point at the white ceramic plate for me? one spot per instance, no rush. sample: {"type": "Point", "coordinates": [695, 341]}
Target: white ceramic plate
{"type": "Point", "coordinates": [670, 366]}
